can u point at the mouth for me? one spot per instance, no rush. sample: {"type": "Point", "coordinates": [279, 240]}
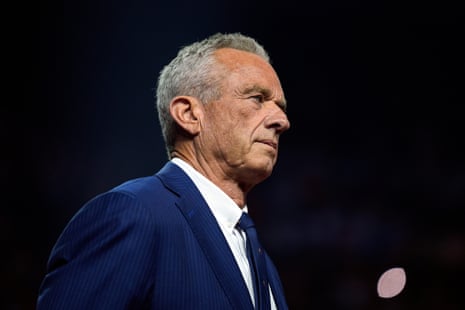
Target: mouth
{"type": "Point", "coordinates": [270, 143]}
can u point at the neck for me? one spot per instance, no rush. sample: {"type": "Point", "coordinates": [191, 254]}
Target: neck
{"type": "Point", "coordinates": [217, 175]}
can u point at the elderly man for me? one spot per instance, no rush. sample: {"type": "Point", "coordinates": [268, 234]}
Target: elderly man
{"type": "Point", "coordinates": [181, 239]}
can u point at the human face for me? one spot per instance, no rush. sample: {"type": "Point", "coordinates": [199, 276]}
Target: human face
{"type": "Point", "coordinates": [241, 129]}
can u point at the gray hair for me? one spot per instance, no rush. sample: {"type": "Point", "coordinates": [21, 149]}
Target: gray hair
{"type": "Point", "coordinates": [192, 73]}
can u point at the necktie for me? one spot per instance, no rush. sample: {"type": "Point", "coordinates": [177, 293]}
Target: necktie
{"type": "Point", "coordinates": [255, 254]}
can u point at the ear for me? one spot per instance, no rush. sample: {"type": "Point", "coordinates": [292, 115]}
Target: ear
{"type": "Point", "coordinates": [187, 112]}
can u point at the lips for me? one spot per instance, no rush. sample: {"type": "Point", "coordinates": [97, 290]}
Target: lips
{"type": "Point", "coordinates": [270, 143]}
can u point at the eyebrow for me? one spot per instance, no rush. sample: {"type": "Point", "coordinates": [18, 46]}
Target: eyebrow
{"type": "Point", "coordinates": [266, 92]}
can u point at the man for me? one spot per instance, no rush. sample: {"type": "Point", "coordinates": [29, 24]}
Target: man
{"type": "Point", "coordinates": [173, 240]}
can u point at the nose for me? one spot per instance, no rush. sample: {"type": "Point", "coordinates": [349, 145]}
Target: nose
{"type": "Point", "coordinates": [277, 120]}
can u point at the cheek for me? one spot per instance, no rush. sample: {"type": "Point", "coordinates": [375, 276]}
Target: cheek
{"type": "Point", "coordinates": [233, 129]}
{"type": "Point", "coordinates": [234, 142]}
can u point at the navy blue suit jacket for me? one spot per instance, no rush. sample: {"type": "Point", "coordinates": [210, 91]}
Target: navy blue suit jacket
{"type": "Point", "coordinates": [150, 243]}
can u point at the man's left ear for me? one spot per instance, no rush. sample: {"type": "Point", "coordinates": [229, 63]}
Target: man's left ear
{"type": "Point", "coordinates": [186, 112]}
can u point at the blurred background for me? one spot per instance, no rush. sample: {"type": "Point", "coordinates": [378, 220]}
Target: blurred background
{"type": "Point", "coordinates": [370, 176]}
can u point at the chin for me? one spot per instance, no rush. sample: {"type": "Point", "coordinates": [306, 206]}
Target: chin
{"type": "Point", "coordinates": [261, 172]}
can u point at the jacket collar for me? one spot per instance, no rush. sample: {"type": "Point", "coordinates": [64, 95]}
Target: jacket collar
{"type": "Point", "coordinates": [208, 234]}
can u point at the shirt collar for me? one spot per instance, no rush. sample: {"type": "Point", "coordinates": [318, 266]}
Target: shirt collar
{"type": "Point", "coordinates": [225, 210]}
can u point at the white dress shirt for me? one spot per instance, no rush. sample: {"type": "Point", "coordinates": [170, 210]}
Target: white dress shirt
{"type": "Point", "coordinates": [227, 214]}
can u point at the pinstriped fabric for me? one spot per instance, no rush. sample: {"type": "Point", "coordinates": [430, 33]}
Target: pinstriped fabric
{"type": "Point", "coordinates": [150, 243]}
{"type": "Point", "coordinates": [217, 253]}
{"type": "Point", "coordinates": [103, 241]}
{"type": "Point", "coordinates": [275, 284]}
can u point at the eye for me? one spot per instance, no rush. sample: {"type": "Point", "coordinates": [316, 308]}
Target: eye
{"type": "Point", "coordinates": [258, 98]}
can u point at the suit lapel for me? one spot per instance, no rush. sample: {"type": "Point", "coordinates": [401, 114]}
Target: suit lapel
{"type": "Point", "coordinates": [208, 233]}
{"type": "Point", "coordinates": [275, 284]}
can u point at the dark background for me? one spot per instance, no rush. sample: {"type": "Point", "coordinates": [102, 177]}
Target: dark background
{"type": "Point", "coordinates": [371, 175]}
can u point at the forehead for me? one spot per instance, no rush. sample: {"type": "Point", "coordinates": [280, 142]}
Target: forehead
{"type": "Point", "coordinates": [235, 59]}
{"type": "Point", "coordinates": [249, 69]}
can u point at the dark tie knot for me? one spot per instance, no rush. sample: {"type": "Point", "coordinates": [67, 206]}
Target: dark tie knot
{"type": "Point", "coordinates": [245, 222]}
